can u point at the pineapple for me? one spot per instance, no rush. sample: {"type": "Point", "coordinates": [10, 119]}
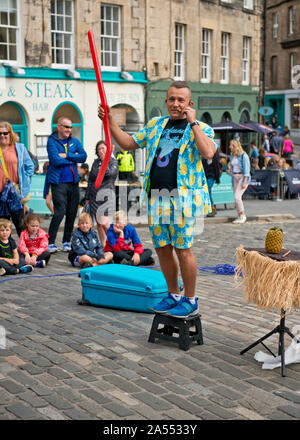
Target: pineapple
{"type": "Point", "coordinates": [274, 238]}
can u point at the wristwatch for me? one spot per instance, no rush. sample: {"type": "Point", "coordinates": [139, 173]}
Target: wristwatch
{"type": "Point", "coordinates": [194, 123]}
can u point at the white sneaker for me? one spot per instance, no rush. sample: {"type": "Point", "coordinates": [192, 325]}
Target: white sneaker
{"type": "Point", "coordinates": [240, 220]}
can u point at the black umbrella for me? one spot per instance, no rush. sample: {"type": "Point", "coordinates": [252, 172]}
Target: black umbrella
{"type": "Point", "coordinates": [230, 127]}
{"type": "Point", "coordinates": [259, 128]}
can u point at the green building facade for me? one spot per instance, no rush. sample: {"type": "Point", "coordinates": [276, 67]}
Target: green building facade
{"type": "Point", "coordinates": [214, 103]}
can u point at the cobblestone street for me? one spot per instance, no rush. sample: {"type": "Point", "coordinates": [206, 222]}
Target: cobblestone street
{"type": "Point", "coordinates": [65, 361]}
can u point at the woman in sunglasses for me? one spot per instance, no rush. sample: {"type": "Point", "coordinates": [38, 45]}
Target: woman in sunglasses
{"type": "Point", "coordinates": [15, 166]}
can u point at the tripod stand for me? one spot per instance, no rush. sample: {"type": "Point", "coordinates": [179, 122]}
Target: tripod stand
{"type": "Point", "coordinates": [281, 329]}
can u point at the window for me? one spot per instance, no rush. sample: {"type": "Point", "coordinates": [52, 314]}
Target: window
{"type": "Point", "coordinates": [295, 113]}
{"type": "Point", "coordinates": [205, 57]}
{"type": "Point", "coordinates": [111, 37]}
{"type": "Point", "coordinates": [292, 65]}
{"type": "Point", "coordinates": [275, 25]}
{"type": "Point", "coordinates": [291, 21]}
{"type": "Point", "coordinates": [179, 52]}
{"type": "Point", "coordinates": [62, 32]}
{"type": "Point", "coordinates": [246, 61]}
{"type": "Point", "coordinates": [225, 58]}
{"type": "Point", "coordinates": [41, 147]}
{"type": "Point", "coordinates": [274, 71]}
{"type": "Point", "coordinates": [248, 4]}
{"type": "Point", "coordinates": [8, 30]}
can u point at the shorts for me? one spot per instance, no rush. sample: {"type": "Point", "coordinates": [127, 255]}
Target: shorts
{"type": "Point", "coordinates": [169, 224]}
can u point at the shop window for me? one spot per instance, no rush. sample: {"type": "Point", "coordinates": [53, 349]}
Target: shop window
{"type": "Point", "coordinates": [155, 112]}
{"type": "Point", "coordinates": [41, 148]}
{"type": "Point", "coordinates": [73, 113]}
{"type": "Point", "coordinates": [15, 115]}
{"type": "Point", "coordinates": [206, 118]}
{"type": "Point", "coordinates": [295, 113]}
{"type": "Point", "coordinates": [226, 117]}
{"type": "Point", "coordinates": [245, 117]}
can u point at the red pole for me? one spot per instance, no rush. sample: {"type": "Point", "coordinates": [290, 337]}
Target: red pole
{"type": "Point", "coordinates": [104, 105]}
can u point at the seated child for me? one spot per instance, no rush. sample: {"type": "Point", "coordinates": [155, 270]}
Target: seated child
{"type": "Point", "coordinates": [124, 242]}
{"type": "Point", "coordinates": [10, 261]}
{"type": "Point", "coordinates": [33, 243]}
{"type": "Point", "coordinates": [86, 249]}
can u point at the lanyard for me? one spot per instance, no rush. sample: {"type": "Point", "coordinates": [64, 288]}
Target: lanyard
{"type": "Point", "coordinates": [3, 164]}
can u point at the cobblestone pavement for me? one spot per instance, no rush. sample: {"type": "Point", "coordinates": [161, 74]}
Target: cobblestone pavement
{"type": "Point", "coordinates": [65, 361]}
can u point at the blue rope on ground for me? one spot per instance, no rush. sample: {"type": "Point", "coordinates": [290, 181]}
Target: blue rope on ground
{"type": "Point", "coordinates": [221, 269]}
{"type": "Point", "coordinates": [39, 276]}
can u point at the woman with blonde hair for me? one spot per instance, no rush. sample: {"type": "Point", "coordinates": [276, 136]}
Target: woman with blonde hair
{"type": "Point", "coordinates": [239, 169]}
{"type": "Point", "coordinates": [17, 167]}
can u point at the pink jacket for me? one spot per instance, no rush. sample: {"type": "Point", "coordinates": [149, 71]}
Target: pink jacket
{"type": "Point", "coordinates": [36, 246]}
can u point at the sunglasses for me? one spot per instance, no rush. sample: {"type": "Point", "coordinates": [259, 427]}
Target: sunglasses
{"type": "Point", "coordinates": [5, 133]}
{"type": "Point", "coordinates": [67, 126]}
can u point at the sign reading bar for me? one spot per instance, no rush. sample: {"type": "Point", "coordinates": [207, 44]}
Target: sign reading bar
{"type": "Point", "coordinates": [215, 102]}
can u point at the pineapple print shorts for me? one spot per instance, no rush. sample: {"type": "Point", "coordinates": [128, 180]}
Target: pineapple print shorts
{"type": "Point", "coordinates": [169, 223]}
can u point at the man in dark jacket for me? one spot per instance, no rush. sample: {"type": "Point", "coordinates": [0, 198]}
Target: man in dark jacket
{"type": "Point", "coordinates": [64, 153]}
{"type": "Point", "coordinates": [212, 174]}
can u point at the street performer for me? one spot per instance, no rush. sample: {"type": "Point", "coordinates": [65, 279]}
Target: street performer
{"type": "Point", "coordinates": [175, 184]}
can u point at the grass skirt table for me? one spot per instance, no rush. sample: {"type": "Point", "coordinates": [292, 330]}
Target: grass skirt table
{"type": "Point", "coordinates": [270, 281]}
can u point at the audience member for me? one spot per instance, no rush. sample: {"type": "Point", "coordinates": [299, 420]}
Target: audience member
{"type": "Point", "coordinates": [102, 200]}
{"type": "Point", "coordinates": [123, 241]}
{"type": "Point", "coordinates": [64, 152]}
{"type": "Point", "coordinates": [11, 262]}
{"type": "Point", "coordinates": [261, 158]}
{"type": "Point", "coordinates": [33, 244]}
{"type": "Point", "coordinates": [16, 167]}
{"type": "Point", "coordinates": [126, 165]}
{"type": "Point", "coordinates": [287, 147]}
{"type": "Point", "coordinates": [240, 172]}
{"type": "Point", "coordinates": [212, 174]}
{"type": "Point", "coordinates": [266, 143]}
{"type": "Point", "coordinates": [84, 172]}
{"type": "Point", "coordinates": [47, 195]}
{"type": "Point", "coordinates": [86, 249]}
{"type": "Point", "coordinates": [276, 143]}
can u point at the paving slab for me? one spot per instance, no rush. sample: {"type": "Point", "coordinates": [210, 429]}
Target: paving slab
{"type": "Point", "coordinates": [64, 361]}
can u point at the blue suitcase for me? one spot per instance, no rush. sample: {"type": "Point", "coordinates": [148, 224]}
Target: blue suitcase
{"type": "Point", "coordinates": [123, 287]}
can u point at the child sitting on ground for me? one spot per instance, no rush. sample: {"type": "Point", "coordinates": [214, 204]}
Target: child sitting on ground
{"type": "Point", "coordinates": [33, 243]}
{"type": "Point", "coordinates": [10, 261]}
{"type": "Point", "coordinates": [124, 242]}
{"type": "Point", "coordinates": [86, 249]}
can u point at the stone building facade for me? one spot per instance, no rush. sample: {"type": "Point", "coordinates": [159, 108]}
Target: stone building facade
{"type": "Point", "coordinates": [283, 63]}
{"type": "Point", "coordinates": [215, 46]}
{"type": "Point", "coordinates": [46, 67]}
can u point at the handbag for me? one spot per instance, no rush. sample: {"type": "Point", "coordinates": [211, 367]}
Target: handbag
{"type": "Point", "coordinates": [10, 200]}
{"type": "Point", "coordinates": [16, 185]}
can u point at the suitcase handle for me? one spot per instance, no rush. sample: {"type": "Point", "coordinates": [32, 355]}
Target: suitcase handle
{"type": "Point", "coordinates": [87, 276]}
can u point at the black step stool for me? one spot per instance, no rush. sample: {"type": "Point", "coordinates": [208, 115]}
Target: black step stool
{"type": "Point", "coordinates": [181, 326]}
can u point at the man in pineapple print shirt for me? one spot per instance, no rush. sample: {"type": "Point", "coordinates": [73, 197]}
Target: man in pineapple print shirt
{"type": "Point", "coordinates": [174, 146]}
